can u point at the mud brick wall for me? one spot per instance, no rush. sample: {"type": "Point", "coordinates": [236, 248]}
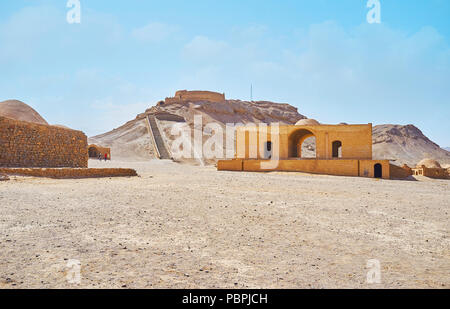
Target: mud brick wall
{"type": "Point", "coordinates": [70, 173]}
{"type": "Point", "coordinates": [193, 96]}
{"type": "Point", "coordinates": [438, 173]}
{"type": "Point", "coordinates": [24, 144]}
{"type": "Point", "coordinates": [398, 172]}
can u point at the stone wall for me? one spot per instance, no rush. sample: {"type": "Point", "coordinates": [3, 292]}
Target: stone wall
{"type": "Point", "coordinates": [398, 172]}
{"type": "Point", "coordinates": [195, 96]}
{"type": "Point", "coordinates": [328, 167]}
{"type": "Point", "coordinates": [438, 173]}
{"type": "Point", "coordinates": [24, 144]}
{"type": "Point", "coordinates": [367, 168]}
{"type": "Point", "coordinates": [70, 173]}
{"type": "Point", "coordinates": [356, 140]}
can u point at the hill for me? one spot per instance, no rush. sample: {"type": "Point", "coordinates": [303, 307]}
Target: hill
{"type": "Point", "coordinates": [405, 144]}
{"type": "Point", "coordinates": [132, 141]}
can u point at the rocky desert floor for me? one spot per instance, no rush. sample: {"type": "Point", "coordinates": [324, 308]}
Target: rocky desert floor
{"type": "Point", "coordinates": [181, 226]}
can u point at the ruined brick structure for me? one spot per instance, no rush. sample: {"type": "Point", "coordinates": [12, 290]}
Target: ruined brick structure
{"type": "Point", "coordinates": [438, 173]}
{"type": "Point", "coordinates": [96, 151]}
{"type": "Point", "coordinates": [25, 144]}
{"type": "Point", "coordinates": [183, 96]}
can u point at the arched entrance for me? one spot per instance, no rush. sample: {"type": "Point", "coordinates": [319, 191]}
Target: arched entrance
{"type": "Point", "coordinates": [378, 170]}
{"type": "Point", "coordinates": [302, 144]}
{"type": "Point", "coordinates": [93, 152]}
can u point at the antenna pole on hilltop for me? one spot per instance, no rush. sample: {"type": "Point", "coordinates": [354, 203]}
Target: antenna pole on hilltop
{"type": "Point", "coordinates": [251, 92]}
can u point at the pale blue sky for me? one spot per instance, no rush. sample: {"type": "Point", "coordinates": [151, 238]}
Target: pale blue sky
{"type": "Point", "coordinates": [320, 56]}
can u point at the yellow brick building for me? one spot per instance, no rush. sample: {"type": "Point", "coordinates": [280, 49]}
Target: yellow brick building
{"type": "Point", "coordinates": [344, 150]}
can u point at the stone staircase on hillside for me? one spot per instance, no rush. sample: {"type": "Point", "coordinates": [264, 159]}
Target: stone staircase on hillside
{"type": "Point", "coordinates": [158, 139]}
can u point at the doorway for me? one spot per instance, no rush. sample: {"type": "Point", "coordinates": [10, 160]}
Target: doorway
{"type": "Point", "coordinates": [378, 171]}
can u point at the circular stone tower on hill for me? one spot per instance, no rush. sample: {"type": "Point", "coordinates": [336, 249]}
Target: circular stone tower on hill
{"type": "Point", "coordinates": [182, 96]}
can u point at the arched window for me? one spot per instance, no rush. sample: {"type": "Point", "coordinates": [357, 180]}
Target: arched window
{"type": "Point", "coordinates": [337, 149]}
{"type": "Point", "coordinates": [268, 150]}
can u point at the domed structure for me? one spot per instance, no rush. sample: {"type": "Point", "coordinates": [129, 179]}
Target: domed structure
{"type": "Point", "coordinates": [20, 111]}
{"type": "Point", "coordinates": [429, 163]}
{"type": "Point", "coordinates": [307, 122]}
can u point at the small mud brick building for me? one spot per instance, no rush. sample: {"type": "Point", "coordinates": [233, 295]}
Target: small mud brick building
{"type": "Point", "coordinates": [96, 151]}
{"type": "Point", "coordinates": [430, 168]}
{"type": "Point", "coordinates": [25, 144]}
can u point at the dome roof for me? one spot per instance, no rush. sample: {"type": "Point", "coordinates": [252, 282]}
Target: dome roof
{"type": "Point", "coordinates": [429, 163]}
{"type": "Point", "coordinates": [20, 111]}
{"type": "Point", "coordinates": [307, 122]}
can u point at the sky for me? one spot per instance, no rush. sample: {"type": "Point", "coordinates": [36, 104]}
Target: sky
{"type": "Point", "coordinates": [321, 56]}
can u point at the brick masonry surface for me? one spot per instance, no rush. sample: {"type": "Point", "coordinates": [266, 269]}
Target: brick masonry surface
{"type": "Point", "coordinates": [69, 173]}
{"type": "Point", "coordinates": [24, 144]}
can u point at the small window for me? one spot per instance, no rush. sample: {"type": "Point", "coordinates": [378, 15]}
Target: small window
{"type": "Point", "coordinates": [268, 150]}
{"type": "Point", "coordinates": [337, 149]}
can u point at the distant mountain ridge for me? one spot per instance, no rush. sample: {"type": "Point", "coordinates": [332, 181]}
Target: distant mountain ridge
{"type": "Point", "coordinates": [406, 145]}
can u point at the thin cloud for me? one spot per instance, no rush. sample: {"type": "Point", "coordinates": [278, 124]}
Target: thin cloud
{"type": "Point", "coordinates": [154, 32]}
{"type": "Point", "coordinates": [202, 48]}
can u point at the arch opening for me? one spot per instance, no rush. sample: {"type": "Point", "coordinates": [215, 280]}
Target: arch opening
{"type": "Point", "coordinates": [337, 149]}
{"type": "Point", "coordinates": [302, 144]}
{"type": "Point", "coordinates": [93, 152]}
{"type": "Point", "coordinates": [378, 170]}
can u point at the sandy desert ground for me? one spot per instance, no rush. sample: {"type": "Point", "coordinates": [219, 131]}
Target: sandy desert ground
{"type": "Point", "coordinates": [181, 226]}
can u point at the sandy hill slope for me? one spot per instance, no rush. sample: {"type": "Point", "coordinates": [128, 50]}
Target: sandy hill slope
{"type": "Point", "coordinates": [406, 144]}
{"type": "Point", "coordinates": [446, 148]}
{"type": "Point", "coordinates": [20, 111]}
{"type": "Point", "coordinates": [233, 111]}
{"type": "Point", "coordinates": [130, 141]}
